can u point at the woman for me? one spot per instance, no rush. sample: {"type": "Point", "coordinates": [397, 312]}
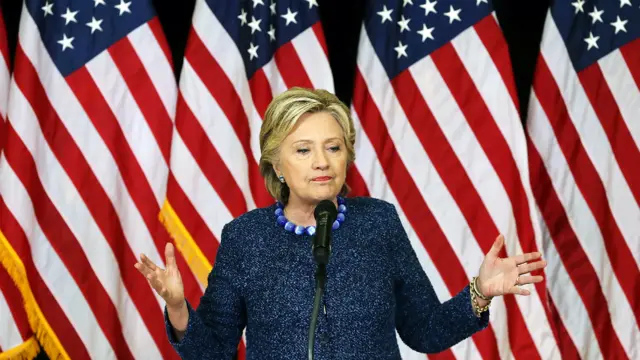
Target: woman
{"type": "Point", "coordinates": [263, 276]}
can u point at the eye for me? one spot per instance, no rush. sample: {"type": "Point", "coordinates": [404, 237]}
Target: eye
{"type": "Point", "coordinates": [302, 151]}
{"type": "Point", "coordinates": [335, 148]}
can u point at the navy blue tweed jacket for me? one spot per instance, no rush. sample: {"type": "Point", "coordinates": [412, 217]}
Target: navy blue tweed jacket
{"type": "Point", "coordinates": [263, 281]}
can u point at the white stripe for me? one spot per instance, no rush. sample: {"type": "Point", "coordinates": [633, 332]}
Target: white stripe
{"type": "Point", "coordinates": [313, 59]}
{"type": "Point", "coordinates": [592, 135]}
{"type": "Point", "coordinates": [276, 82]}
{"type": "Point", "coordinates": [157, 66]}
{"type": "Point", "coordinates": [130, 119]}
{"type": "Point", "coordinates": [9, 333]}
{"type": "Point", "coordinates": [53, 272]}
{"type": "Point", "coordinates": [198, 189]}
{"type": "Point", "coordinates": [422, 172]}
{"type": "Point", "coordinates": [373, 175]}
{"type": "Point", "coordinates": [588, 233]}
{"type": "Point", "coordinates": [218, 129]}
{"type": "Point", "coordinates": [90, 144]}
{"type": "Point", "coordinates": [4, 86]}
{"type": "Point", "coordinates": [572, 311]}
{"type": "Point", "coordinates": [75, 214]}
{"type": "Point", "coordinates": [222, 47]}
{"type": "Point", "coordinates": [478, 62]}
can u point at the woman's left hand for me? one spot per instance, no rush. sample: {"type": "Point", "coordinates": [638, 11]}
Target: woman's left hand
{"type": "Point", "coordinates": [504, 276]}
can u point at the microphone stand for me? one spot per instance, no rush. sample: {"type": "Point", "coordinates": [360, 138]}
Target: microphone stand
{"type": "Point", "coordinates": [321, 277]}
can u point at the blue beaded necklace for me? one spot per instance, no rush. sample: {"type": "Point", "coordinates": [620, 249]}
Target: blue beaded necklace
{"type": "Point", "coordinates": [309, 230]}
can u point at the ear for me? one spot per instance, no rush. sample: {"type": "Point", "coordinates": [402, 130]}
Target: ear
{"type": "Point", "coordinates": [276, 168]}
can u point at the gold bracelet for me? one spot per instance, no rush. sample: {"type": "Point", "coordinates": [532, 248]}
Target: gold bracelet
{"type": "Point", "coordinates": [475, 288]}
{"type": "Point", "coordinates": [477, 309]}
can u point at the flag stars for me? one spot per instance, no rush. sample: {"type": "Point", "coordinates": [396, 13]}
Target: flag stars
{"type": "Point", "coordinates": [290, 17]}
{"type": "Point", "coordinates": [596, 15]}
{"type": "Point", "coordinates": [385, 14]}
{"type": "Point", "coordinates": [243, 17]}
{"type": "Point", "coordinates": [625, 2]}
{"type": "Point", "coordinates": [312, 3]}
{"type": "Point", "coordinates": [257, 2]}
{"type": "Point", "coordinates": [272, 7]}
{"type": "Point", "coordinates": [98, 2]}
{"type": "Point", "coordinates": [429, 7]}
{"type": "Point", "coordinates": [404, 24]}
{"type": "Point", "coordinates": [66, 42]}
{"type": "Point", "coordinates": [124, 7]}
{"type": "Point", "coordinates": [69, 16]}
{"type": "Point", "coordinates": [579, 5]}
{"type": "Point", "coordinates": [401, 50]}
{"type": "Point", "coordinates": [453, 14]}
{"type": "Point", "coordinates": [619, 24]}
{"type": "Point", "coordinates": [253, 51]}
{"type": "Point", "coordinates": [254, 24]}
{"type": "Point", "coordinates": [95, 24]}
{"type": "Point", "coordinates": [405, 2]}
{"type": "Point", "coordinates": [272, 33]}
{"type": "Point", "coordinates": [478, 2]}
{"type": "Point", "coordinates": [592, 41]}
{"type": "Point", "coordinates": [426, 32]}
{"type": "Point", "coordinates": [47, 8]}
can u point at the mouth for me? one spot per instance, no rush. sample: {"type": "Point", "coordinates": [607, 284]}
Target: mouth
{"type": "Point", "coordinates": [321, 178]}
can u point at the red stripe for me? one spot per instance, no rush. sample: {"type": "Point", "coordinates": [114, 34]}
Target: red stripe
{"type": "Point", "coordinates": [4, 45]}
{"type": "Point", "coordinates": [499, 154]}
{"type": "Point", "coordinates": [208, 160]}
{"type": "Point", "coordinates": [14, 300]}
{"type": "Point", "coordinates": [291, 68]}
{"type": "Point", "coordinates": [156, 29]}
{"type": "Point", "coordinates": [61, 238]}
{"type": "Point", "coordinates": [356, 183]}
{"type": "Point", "coordinates": [453, 175]}
{"type": "Point", "coordinates": [222, 90]}
{"type": "Point", "coordinates": [260, 91]}
{"type": "Point", "coordinates": [614, 125]}
{"type": "Point", "coordinates": [417, 212]}
{"type": "Point", "coordinates": [99, 204]}
{"type": "Point", "coordinates": [590, 184]}
{"type": "Point", "coordinates": [317, 29]}
{"type": "Point", "coordinates": [144, 92]}
{"type": "Point", "coordinates": [630, 53]}
{"type": "Point", "coordinates": [575, 260]}
{"type": "Point", "coordinates": [567, 348]}
{"type": "Point", "coordinates": [491, 37]}
{"type": "Point", "coordinates": [193, 222]}
{"type": "Point", "coordinates": [51, 310]}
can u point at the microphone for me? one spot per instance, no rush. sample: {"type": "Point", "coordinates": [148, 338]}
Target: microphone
{"type": "Point", "coordinates": [325, 214]}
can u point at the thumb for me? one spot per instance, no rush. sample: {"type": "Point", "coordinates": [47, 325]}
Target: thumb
{"type": "Point", "coordinates": [170, 257]}
{"type": "Point", "coordinates": [496, 247]}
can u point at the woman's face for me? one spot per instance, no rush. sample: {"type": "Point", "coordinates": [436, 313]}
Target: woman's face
{"type": "Point", "coordinates": [313, 159]}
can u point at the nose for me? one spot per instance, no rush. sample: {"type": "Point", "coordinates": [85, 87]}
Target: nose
{"type": "Point", "coordinates": [320, 160]}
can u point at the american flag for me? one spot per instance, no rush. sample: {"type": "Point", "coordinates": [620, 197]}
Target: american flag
{"type": "Point", "coordinates": [240, 55]}
{"type": "Point", "coordinates": [16, 336]}
{"type": "Point", "coordinates": [584, 148]}
{"type": "Point", "coordinates": [440, 137]}
{"type": "Point", "coordinates": [84, 171]}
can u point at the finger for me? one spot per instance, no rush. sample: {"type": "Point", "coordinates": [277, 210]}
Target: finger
{"type": "Point", "coordinates": [517, 290]}
{"type": "Point", "coordinates": [496, 247]}
{"type": "Point", "coordinates": [527, 268]}
{"type": "Point", "coordinates": [148, 262]}
{"type": "Point", "coordinates": [170, 257]}
{"type": "Point", "coordinates": [521, 259]}
{"type": "Point", "coordinates": [143, 269]}
{"type": "Point", "coordinates": [527, 279]}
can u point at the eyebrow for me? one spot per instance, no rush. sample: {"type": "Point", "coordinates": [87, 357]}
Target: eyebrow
{"type": "Point", "coordinates": [305, 141]}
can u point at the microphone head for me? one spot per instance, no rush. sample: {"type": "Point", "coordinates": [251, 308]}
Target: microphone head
{"type": "Point", "coordinates": [326, 209]}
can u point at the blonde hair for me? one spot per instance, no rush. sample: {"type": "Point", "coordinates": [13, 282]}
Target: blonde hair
{"type": "Point", "coordinates": [281, 117]}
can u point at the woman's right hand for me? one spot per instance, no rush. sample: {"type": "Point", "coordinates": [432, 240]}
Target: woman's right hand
{"type": "Point", "coordinates": [166, 282]}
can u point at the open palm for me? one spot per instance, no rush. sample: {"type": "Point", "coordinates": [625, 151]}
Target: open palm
{"type": "Point", "coordinates": [166, 282]}
{"type": "Point", "coordinates": [500, 276]}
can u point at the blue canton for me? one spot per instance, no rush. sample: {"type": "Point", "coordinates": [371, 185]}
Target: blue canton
{"type": "Point", "coordinates": [404, 31]}
{"type": "Point", "coordinates": [591, 29]}
{"type": "Point", "coordinates": [75, 31]}
{"type": "Point", "coordinates": [260, 27]}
